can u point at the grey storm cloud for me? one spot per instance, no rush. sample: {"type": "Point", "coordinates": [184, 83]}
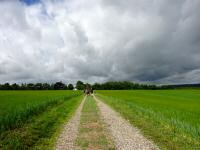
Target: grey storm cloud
{"type": "Point", "coordinates": [101, 40]}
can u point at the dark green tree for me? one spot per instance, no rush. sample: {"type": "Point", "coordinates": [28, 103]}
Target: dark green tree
{"type": "Point", "coordinates": [59, 86]}
{"type": "Point", "coordinates": [15, 86]}
{"type": "Point", "coordinates": [46, 86]}
{"type": "Point", "coordinates": [30, 86]}
{"type": "Point", "coordinates": [80, 85]}
{"type": "Point", "coordinates": [70, 87]}
{"type": "Point", "coordinates": [6, 86]}
{"type": "Point", "coordinates": [38, 86]}
{"type": "Point", "coordinates": [97, 86]}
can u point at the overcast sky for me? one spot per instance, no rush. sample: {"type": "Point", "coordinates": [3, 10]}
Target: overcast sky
{"type": "Point", "coordinates": [154, 41]}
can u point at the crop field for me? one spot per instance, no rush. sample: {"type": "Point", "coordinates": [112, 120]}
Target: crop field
{"type": "Point", "coordinates": [171, 118]}
{"type": "Point", "coordinates": [32, 119]}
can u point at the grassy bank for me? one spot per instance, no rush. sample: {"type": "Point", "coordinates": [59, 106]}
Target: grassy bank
{"type": "Point", "coordinates": [39, 129]}
{"type": "Point", "coordinates": [168, 117]}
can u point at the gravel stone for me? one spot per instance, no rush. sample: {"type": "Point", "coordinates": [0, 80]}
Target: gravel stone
{"type": "Point", "coordinates": [66, 141]}
{"type": "Point", "coordinates": [125, 135]}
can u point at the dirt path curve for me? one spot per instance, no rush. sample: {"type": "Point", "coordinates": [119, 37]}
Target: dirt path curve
{"type": "Point", "coordinates": [66, 141]}
{"type": "Point", "coordinates": [125, 136]}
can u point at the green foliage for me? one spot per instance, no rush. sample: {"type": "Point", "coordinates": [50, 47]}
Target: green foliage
{"type": "Point", "coordinates": [112, 85]}
{"type": "Point", "coordinates": [80, 85]}
{"type": "Point", "coordinates": [18, 106]}
{"type": "Point", "coordinates": [70, 87]}
{"type": "Point", "coordinates": [125, 85]}
{"type": "Point", "coordinates": [169, 117]}
{"type": "Point", "coordinates": [40, 130]}
{"type": "Point", "coordinates": [35, 86]}
{"type": "Point", "coordinates": [59, 86]}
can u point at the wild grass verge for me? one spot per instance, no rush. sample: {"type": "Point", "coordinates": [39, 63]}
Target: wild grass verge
{"type": "Point", "coordinates": [40, 131]}
{"type": "Point", "coordinates": [170, 118]}
{"type": "Point", "coordinates": [16, 116]}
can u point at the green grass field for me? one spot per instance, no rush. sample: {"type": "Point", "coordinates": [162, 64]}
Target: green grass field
{"type": "Point", "coordinates": [171, 118]}
{"type": "Point", "coordinates": [33, 119]}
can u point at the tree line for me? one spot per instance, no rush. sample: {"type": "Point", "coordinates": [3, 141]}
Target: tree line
{"type": "Point", "coordinates": [37, 86]}
{"type": "Point", "coordinates": [112, 85]}
{"type": "Point", "coordinates": [126, 85]}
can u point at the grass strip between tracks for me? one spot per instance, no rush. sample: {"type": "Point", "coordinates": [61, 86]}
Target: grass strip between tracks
{"type": "Point", "coordinates": [92, 131]}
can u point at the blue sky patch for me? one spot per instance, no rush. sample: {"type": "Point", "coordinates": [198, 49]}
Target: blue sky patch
{"type": "Point", "coordinates": [30, 2]}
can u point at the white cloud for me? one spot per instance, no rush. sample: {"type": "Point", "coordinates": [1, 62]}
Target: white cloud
{"type": "Point", "coordinates": [100, 40]}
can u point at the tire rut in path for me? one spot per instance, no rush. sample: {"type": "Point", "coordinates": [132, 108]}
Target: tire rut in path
{"type": "Point", "coordinates": [125, 136]}
{"type": "Point", "coordinates": [66, 141]}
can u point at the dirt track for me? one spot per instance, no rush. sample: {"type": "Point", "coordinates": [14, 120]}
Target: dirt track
{"type": "Point", "coordinates": [67, 138]}
{"type": "Point", "coordinates": [124, 135]}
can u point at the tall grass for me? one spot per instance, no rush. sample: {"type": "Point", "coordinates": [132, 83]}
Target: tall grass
{"type": "Point", "coordinates": [19, 106]}
{"type": "Point", "coordinates": [41, 129]}
{"type": "Point", "coordinates": [170, 117]}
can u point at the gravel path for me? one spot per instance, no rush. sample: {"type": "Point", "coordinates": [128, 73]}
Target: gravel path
{"type": "Point", "coordinates": [66, 141]}
{"type": "Point", "coordinates": [125, 136]}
